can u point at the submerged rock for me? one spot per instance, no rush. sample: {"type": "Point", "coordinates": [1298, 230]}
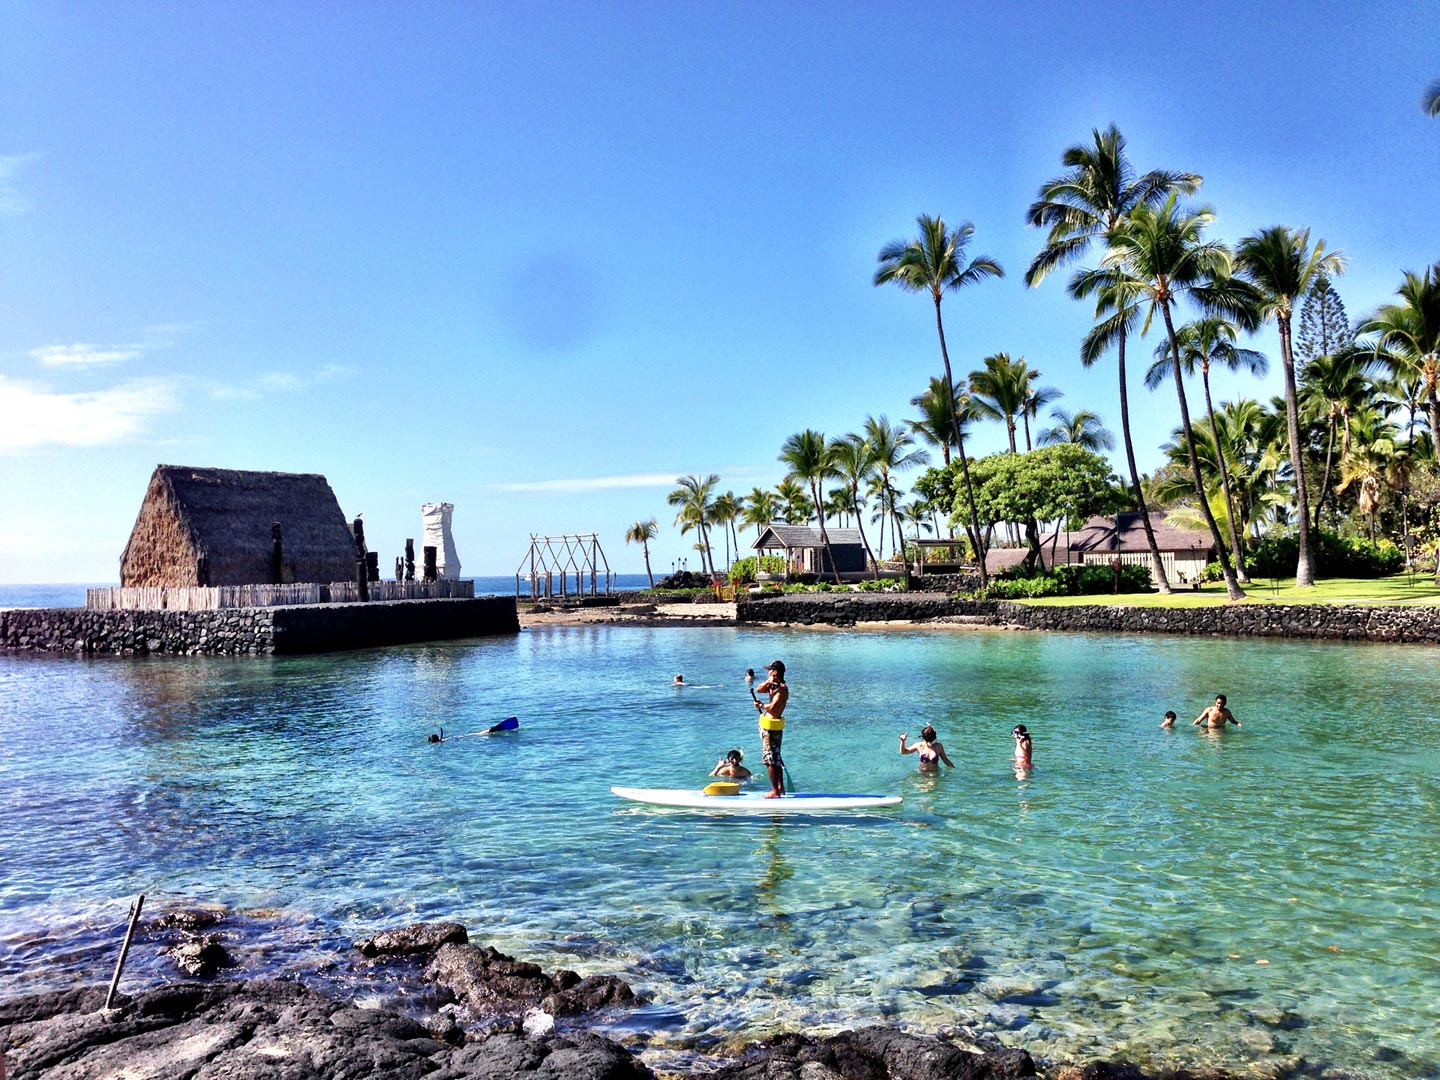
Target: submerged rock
{"type": "Point", "coordinates": [871, 1053]}
{"type": "Point", "coordinates": [416, 938]}
{"type": "Point", "coordinates": [488, 981]}
{"type": "Point", "coordinates": [201, 956]}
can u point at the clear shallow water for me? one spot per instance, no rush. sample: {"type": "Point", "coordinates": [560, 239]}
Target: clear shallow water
{"type": "Point", "coordinates": [1117, 901]}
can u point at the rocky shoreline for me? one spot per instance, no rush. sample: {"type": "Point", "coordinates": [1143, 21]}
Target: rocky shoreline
{"type": "Point", "coordinates": [465, 1011]}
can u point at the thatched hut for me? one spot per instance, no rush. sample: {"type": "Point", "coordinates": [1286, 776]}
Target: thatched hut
{"type": "Point", "coordinates": [213, 527]}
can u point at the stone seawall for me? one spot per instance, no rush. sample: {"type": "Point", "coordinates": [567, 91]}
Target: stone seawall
{"type": "Point", "coordinates": [254, 631]}
{"type": "Point", "coordinates": [1314, 621]}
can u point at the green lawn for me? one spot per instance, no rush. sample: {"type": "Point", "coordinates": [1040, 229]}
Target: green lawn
{"type": "Point", "coordinates": [1400, 589]}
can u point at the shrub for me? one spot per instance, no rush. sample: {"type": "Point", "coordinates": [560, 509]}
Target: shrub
{"type": "Point", "coordinates": [743, 571]}
{"type": "Point", "coordinates": [1072, 580]}
{"type": "Point", "coordinates": [1276, 556]}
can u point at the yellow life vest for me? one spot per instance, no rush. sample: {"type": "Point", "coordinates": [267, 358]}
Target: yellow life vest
{"type": "Point", "coordinates": [771, 723]}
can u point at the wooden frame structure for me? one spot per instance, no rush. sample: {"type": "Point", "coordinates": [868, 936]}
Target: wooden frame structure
{"type": "Point", "coordinates": [552, 559]}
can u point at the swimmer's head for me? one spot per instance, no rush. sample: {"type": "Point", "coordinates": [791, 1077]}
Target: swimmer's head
{"type": "Point", "coordinates": [735, 756]}
{"type": "Point", "coordinates": [1169, 714]}
{"type": "Point", "coordinates": [927, 733]}
{"type": "Point", "coordinates": [1020, 732]}
{"type": "Point", "coordinates": [1220, 699]}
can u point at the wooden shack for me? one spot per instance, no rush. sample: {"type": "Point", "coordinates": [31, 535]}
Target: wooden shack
{"type": "Point", "coordinates": [214, 527]}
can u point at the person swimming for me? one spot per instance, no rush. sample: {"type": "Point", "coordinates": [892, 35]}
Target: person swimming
{"type": "Point", "coordinates": [1169, 720]}
{"type": "Point", "coordinates": [1023, 748]}
{"type": "Point", "coordinates": [679, 680]}
{"type": "Point", "coordinates": [929, 748]}
{"type": "Point", "coordinates": [729, 766]}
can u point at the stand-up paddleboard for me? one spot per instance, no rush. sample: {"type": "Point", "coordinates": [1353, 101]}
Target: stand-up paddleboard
{"type": "Point", "coordinates": [755, 802]}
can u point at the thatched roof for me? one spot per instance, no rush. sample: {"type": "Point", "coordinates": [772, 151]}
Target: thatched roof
{"type": "Point", "coordinates": [797, 537]}
{"type": "Point", "coordinates": [215, 524]}
{"type": "Point", "coordinates": [1126, 532]}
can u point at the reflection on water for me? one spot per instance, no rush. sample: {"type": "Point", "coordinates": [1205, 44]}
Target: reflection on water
{"type": "Point", "coordinates": [1117, 900]}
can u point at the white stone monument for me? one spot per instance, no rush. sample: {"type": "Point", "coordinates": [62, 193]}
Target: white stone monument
{"type": "Point", "coordinates": [436, 517]}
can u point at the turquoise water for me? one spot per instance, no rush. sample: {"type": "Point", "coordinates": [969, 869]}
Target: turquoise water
{"type": "Point", "coordinates": [1261, 897]}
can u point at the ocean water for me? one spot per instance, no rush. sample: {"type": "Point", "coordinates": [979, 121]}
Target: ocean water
{"type": "Point", "coordinates": [1259, 898]}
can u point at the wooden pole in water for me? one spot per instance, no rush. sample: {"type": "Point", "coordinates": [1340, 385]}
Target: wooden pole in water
{"type": "Point", "coordinates": [125, 948]}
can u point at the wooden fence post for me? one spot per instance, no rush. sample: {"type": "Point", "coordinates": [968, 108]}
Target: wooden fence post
{"type": "Point", "coordinates": [362, 575]}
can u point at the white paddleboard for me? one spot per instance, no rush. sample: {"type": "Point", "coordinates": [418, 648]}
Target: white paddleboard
{"type": "Point", "coordinates": [755, 802]}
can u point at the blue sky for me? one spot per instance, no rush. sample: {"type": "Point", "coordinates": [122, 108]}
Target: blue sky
{"type": "Point", "coordinates": [538, 260]}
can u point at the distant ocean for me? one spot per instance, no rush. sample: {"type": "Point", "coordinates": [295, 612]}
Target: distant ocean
{"type": "Point", "coordinates": [73, 595]}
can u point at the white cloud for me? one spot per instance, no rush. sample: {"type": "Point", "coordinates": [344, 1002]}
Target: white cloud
{"type": "Point", "coordinates": [82, 355]}
{"type": "Point", "coordinates": [12, 201]}
{"type": "Point", "coordinates": [280, 382]}
{"type": "Point", "coordinates": [33, 416]}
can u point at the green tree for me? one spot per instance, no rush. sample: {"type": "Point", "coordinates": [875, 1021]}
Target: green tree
{"type": "Point", "coordinates": [808, 458]}
{"type": "Point", "coordinates": [1324, 328]}
{"type": "Point", "coordinates": [998, 391]}
{"type": "Point", "coordinates": [1332, 387]}
{"type": "Point", "coordinates": [1085, 203]}
{"type": "Point", "coordinates": [935, 263]}
{"type": "Point", "coordinates": [1408, 339]}
{"type": "Point", "coordinates": [1063, 482]}
{"type": "Point", "coordinates": [795, 505]}
{"type": "Point", "coordinates": [853, 458]}
{"type": "Point", "coordinates": [1282, 266]}
{"type": "Point", "coordinates": [723, 512]}
{"type": "Point", "coordinates": [941, 415]}
{"type": "Point", "coordinates": [761, 509]}
{"type": "Point", "coordinates": [892, 451]}
{"type": "Point", "coordinates": [1163, 254]}
{"type": "Point", "coordinates": [1083, 427]}
{"type": "Point", "coordinates": [1205, 343]}
{"type": "Point", "coordinates": [642, 532]}
{"type": "Point", "coordinates": [692, 498]}
{"type": "Point", "coordinates": [1430, 100]}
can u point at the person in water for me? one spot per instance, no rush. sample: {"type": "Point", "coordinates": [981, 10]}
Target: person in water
{"type": "Point", "coordinates": [1023, 749]}
{"type": "Point", "coordinates": [772, 725]}
{"type": "Point", "coordinates": [1216, 716]}
{"type": "Point", "coordinates": [679, 680]}
{"type": "Point", "coordinates": [729, 766]}
{"type": "Point", "coordinates": [1169, 720]}
{"type": "Point", "coordinates": [929, 748]}
{"type": "Point", "coordinates": [749, 676]}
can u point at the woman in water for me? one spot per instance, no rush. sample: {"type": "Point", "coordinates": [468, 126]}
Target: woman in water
{"type": "Point", "coordinates": [929, 748]}
{"type": "Point", "coordinates": [1023, 749]}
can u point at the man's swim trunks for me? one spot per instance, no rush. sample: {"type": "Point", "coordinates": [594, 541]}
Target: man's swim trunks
{"type": "Point", "coordinates": [770, 748]}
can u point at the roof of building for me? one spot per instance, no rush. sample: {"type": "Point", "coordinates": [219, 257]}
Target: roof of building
{"type": "Point", "coordinates": [1126, 532]}
{"type": "Point", "coordinates": [792, 537]}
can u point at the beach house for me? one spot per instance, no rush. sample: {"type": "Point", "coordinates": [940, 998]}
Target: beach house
{"type": "Point", "coordinates": [804, 550]}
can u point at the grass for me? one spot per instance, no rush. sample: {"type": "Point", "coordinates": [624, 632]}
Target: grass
{"type": "Point", "coordinates": [1403, 589]}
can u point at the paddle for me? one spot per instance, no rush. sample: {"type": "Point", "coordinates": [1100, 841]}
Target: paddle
{"type": "Point", "coordinates": [789, 784]}
{"type": "Point", "coordinates": [510, 723]}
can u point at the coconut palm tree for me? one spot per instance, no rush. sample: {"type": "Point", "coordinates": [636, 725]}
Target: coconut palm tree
{"type": "Point", "coordinates": [854, 459]}
{"type": "Point", "coordinates": [1083, 427]}
{"type": "Point", "coordinates": [761, 507]}
{"type": "Point", "coordinates": [723, 512]}
{"type": "Point", "coordinates": [1408, 339]}
{"type": "Point", "coordinates": [1332, 387]}
{"type": "Point", "coordinates": [935, 263]}
{"type": "Point", "coordinates": [1430, 101]}
{"type": "Point", "coordinates": [1164, 256]}
{"type": "Point", "coordinates": [1086, 203]}
{"type": "Point", "coordinates": [642, 532]}
{"type": "Point", "coordinates": [795, 505]}
{"type": "Point", "coordinates": [1282, 265]}
{"type": "Point", "coordinates": [892, 451]}
{"type": "Point", "coordinates": [1036, 398]}
{"type": "Point", "coordinates": [1205, 342]}
{"type": "Point", "coordinates": [808, 458]}
{"type": "Point", "coordinates": [997, 391]}
{"type": "Point", "coordinates": [939, 412]}
{"type": "Point", "coordinates": [693, 499]}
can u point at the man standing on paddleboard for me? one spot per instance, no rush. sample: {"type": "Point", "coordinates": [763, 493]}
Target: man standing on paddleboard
{"type": "Point", "coordinates": [772, 725]}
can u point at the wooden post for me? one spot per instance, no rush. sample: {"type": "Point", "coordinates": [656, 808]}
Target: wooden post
{"type": "Point", "coordinates": [362, 574]}
{"type": "Point", "coordinates": [124, 949]}
{"type": "Point", "coordinates": [399, 568]}
{"type": "Point", "coordinates": [409, 560]}
{"type": "Point", "coordinates": [432, 573]}
{"type": "Point", "coordinates": [372, 565]}
{"type": "Point", "coordinates": [277, 561]}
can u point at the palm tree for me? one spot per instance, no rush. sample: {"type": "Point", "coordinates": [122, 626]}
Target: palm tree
{"type": "Point", "coordinates": [1332, 387]}
{"type": "Point", "coordinates": [938, 415]}
{"type": "Point", "coordinates": [809, 460]}
{"type": "Point", "coordinates": [1088, 202]}
{"type": "Point", "coordinates": [693, 499]}
{"type": "Point", "coordinates": [723, 511]}
{"type": "Point", "coordinates": [998, 390]}
{"type": "Point", "coordinates": [854, 459]}
{"type": "Point", "coordinates": [1084, 428]}
{"type": "Point", "coordinates": [891, 452]}
{"type": "Point", "coordinates": [1203, 343]}
{"type": "Point", "coordinates": [1430, 101]}
{"type": "Point", "coordinates": [1280, 263]}
{"type": "Point", "coordinates": [1036, 398]}
{"type": "Point", "coordinates": [935, 263]}
{"type": "Point", "coordinates": [760, 509]}
{"type": "Point", "coordinates": [1164, 258]}
{"type": "Point", "coordinates": [1408, 339]}
{"type": "Point", "coordinates": [797, 507]}
{"type": "Point", "coordinates": [642, 532]}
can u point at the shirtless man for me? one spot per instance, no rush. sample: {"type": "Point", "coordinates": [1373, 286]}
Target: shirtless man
{"type": "Point", "coordinates": [1216, 716]}
{"type": "Point", "coordinates": [772, 726]}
